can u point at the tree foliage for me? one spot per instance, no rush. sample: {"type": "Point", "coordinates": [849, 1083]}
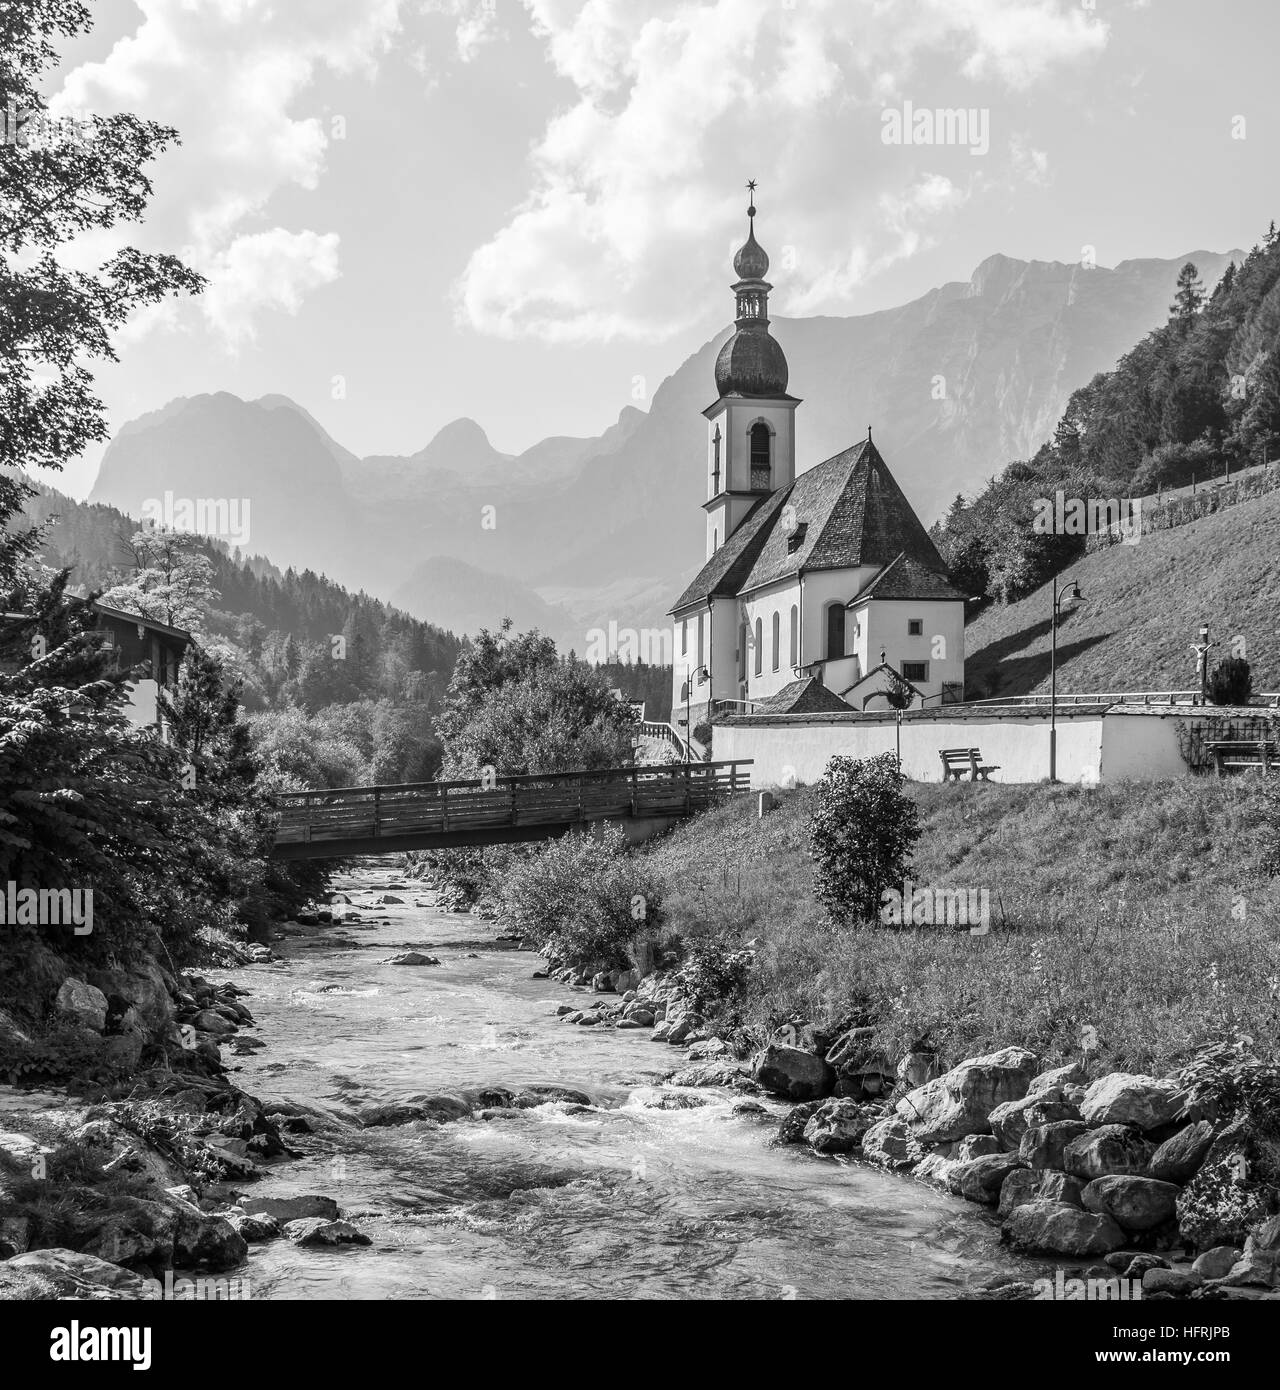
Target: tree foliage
{"type": "Point", "coordinates": [862, 832]}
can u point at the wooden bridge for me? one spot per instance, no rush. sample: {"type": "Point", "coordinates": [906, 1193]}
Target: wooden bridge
{"type": "Point", "coordinates": [497, 810]}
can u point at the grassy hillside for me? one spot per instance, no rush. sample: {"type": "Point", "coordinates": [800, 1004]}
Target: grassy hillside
{"type": "Point", "coordinates": [1142, 911]}
{"type": "Point", "coordinates": [1143, 606]}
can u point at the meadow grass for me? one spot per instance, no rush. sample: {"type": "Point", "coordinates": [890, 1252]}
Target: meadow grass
{"type": "Point", "coordinates": [1137, 918]}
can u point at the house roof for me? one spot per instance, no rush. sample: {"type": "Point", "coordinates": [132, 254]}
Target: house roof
{"type": "Point", "coordinates": [137, 620]}
{"type": "Point", "coordinates": [853, 514]}
{"type": "Point", "coordinates": [891, 679]}
{"type": "Point", "coordinates": [808, 696]}
{"type": "Point", "coordinates": [904, 577]}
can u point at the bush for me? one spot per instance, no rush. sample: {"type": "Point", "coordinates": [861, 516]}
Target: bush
{"type": "Point", "coordinates": [861, 835]}
{"type": "Point", "coordinates": [582, 898]}
{"type": "Point", "coordinates": [713, 972]}
{"type": "Point", "coordinates": [1231, 682]}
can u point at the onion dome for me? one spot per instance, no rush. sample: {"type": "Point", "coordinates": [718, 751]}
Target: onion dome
{"type": "Point", "coordinates": [751, 363]}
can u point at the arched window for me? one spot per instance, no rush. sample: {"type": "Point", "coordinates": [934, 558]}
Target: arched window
{"type": "Point", "coordinates": [715, 462]}
{"type": "Point", "coordinates": [684, 637]}
{"type": "Point", "coordinates": [759, 645]}
{"type": "Point", "coordinates": [742, 650]}
{"type": "Point", "coordinates": [795, 655]}
{"type": "Point", "coordinates": [835, 631]}
{"type": "Point", "coordinates": [715, 541]}
{"type": "Point", "coordinates": [777, 642]}
{"type": "Point", "coordinates": [761, 439]}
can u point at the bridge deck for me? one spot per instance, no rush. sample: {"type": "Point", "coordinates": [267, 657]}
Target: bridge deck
{"type": "Point", "coordinates": [439, 815]}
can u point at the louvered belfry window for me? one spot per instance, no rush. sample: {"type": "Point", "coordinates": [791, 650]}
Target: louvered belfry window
{"type": "Point", "coordinates": [761, 457]}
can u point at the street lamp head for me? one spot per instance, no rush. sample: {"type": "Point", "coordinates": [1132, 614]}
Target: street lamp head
{"type": "Point", "coordinates": [1075, 595]}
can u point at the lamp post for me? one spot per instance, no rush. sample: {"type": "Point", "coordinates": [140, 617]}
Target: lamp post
{"type": "Point", "coordinates": [1070, 591]}
{"type": "Point", "coordinates": [702, 676]}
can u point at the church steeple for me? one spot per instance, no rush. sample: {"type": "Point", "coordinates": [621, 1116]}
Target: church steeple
{"type": "Point", "coordinates": [751, 363]}
{"type": "Point", "coordinates": [751, 447]}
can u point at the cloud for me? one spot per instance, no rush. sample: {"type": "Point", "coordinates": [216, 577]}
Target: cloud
{"type": "Point", "coordinates": [1028, 164]}
{"type": "Point", "coordinates": [677, 101]}
{"type": "Point", "coordinates": [227, 75]}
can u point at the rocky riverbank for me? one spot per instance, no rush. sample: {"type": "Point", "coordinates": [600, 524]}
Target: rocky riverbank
{"type": "Point", "coordinates": [1170, 1185]}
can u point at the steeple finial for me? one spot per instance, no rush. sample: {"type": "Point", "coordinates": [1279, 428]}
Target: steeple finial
{"type": "Point", "coordinates": [751, 189]}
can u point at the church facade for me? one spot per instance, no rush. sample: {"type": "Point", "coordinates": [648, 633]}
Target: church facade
{"type": "Point", "coordinates": [821, 590]}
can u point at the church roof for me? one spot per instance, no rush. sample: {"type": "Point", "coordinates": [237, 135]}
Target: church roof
{"type": "Point", "coordinates": [808, 696]}
{"type": "Point", "coordinates": [904, 577]}
{"type": "Point", "coordinates": [849, 513]}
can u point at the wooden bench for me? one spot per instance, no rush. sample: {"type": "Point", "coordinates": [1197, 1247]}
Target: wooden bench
{"type": "Point", "coordinates": [957, 761]}
{"type": "Point", "coordinates": [1259, 753]}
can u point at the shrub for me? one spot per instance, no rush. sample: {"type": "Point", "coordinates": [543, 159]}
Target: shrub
{"type": "Point", "coordinates": [1231, 682]}
{"type": "Point", "coordinates": [582, 898]}
{"type": "Point", "coordinates": [713, 972]}
{"type": "Point", "coordinates": [861, 834]}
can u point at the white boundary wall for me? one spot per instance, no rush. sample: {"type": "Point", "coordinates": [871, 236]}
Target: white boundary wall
{"type": "Point", "coordinates": [1095, 744]}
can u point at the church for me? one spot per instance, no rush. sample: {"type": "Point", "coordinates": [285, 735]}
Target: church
{"type": "Point", "coordinates": [822, 590]}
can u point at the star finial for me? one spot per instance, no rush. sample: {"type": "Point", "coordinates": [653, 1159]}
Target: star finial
{"type": "Point", "coordinates": [751, 188]}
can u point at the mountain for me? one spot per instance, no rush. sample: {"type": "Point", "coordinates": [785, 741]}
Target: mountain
{"type": "Point", "coordinates": [462, 598]}
{"type": "Point", "coordinates": [957, 383]}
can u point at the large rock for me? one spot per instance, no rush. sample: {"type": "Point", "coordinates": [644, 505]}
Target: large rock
{"type": "Point", "coordinates": [201, 1239]}
{"type": "Point", "coordinates": [891, 1144]}
{"type": "Point", "coordinates": [316, 1231]}
{"type": "Point", "coordinates": [1009, 1122]}
{"type": "Point", "coordinates": [1058, 1229]}
{"type": "Point", "coordinates": [83, 1003]}
{"type": "Point", "coordinates": [981, 1179]}
{"type": "Point", "coordinates": [1024, 1185]}
{"type": "Point", "coordinates": [793, 1073]}
{"type": "Point", "coordinates": [1218, 1262]}
{"type": "Point", "coordinates": [837, 1126]}
{"type": "Point", "coordinates": [1181, 1283]}
{"type": "Point", "coordinates": [1259, 1264]}
{"type": "Point", "coordinates": [796, 1121]}
{"type": "Point", "coordinates": [1053, 1081]}
{"type": "Point", "coordinates": [1227, 1199]}
{"type": "Point", "coordinates": [1046, 1145]}
{"type": "Point", "coordinates": [1179, 1158]}
{"type": "Point", "coordinates": [411, 958]}
{"type": "Point", "coordinates": [1112, 1149]}
{"type": "Point", "coordinates": [129, 1231]}
{"type": "Point", "coordinates": [1137, 1204]}
{"type": "Point", "coordinates": [282, 1209]}
{"type": "Point", "coordinates": [961, 1101]}
{"type": "Point", "coordinates": [1125, 1099]}
{"type": "Point", "coordinates": [72, 1274]}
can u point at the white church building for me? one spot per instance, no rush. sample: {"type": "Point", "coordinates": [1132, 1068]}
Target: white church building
{"type": "Point", "coordinates": [821, 590]}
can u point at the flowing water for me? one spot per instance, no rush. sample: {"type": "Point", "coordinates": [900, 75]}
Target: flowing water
{"type": "Point", "coordinates": [622, 1199]}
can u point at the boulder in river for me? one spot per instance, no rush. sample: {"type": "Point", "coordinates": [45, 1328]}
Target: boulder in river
{"type": "Point", "coordinates": [316, 1230]}
{"type": "Point", "coordinates": [70, 1274]}
{"type": "Point", "coordinates": [412, 958]}
{"type": "Point", "coordinates": [793, 1073]}
{"type": "Point", "coordinates": [837, 1126]}
{"type": "Point", "coordinates": [1136, 1203]}
{"type": "Point", "coordinates": [891, 1144]}
{"type": "Point", "coordinates": [284, 1209]}
{"type": "Point", "coordinates": [1058, 1229]}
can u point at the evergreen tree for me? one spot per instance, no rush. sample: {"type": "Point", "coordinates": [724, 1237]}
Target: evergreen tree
{"type": "Point", "coordinates": [1188, 299]}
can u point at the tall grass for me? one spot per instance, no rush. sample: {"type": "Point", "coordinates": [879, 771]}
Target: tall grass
{"type": "Point", "coordinates": [1139, 920]}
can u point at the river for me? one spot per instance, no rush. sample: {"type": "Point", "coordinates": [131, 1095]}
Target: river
{"type": "Point", "coordinates": [622, 1199]}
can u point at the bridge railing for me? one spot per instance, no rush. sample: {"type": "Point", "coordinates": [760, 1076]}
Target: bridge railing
{"type": "Point", "coordinates": [536, 799]}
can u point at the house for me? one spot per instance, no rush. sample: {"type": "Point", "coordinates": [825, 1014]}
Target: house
{"type": "Point", "coordinates": [154, 646]}
{"type": "Point", "coordinates": [823, 575]}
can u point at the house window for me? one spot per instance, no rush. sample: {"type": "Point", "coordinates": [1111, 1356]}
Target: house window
{"type": "Point", "coordinates": [917, 672]}
{"type": "Point", "coordinates": [915, 627]}
{"type": "Point", "coordinates": [777, 639]}
{"type": "Point", "coordinates": [795, 655]}
{"type": "Point", "coordinates": [761, 451]}
{"type": "Point", "coordinates": [835, 631]}
{"type": "Point", "coordinates": [759, 645]}
{"type": "Point", "coordinates": [684, 638]}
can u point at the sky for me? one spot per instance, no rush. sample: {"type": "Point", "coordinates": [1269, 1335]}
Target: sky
{"type": "Point", "coordinates": [523, 211]}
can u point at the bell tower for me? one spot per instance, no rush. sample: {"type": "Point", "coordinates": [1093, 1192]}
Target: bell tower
{"type": "Point", "coordinates": [751, 447]}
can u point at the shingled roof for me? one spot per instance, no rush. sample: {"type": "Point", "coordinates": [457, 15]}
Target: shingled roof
{"type": "Point", "coordinates": [808, 696]}
{"type": "Point", "coordinates": [906, 578]}
{"type": "Point", "coordinates": [850, 512]}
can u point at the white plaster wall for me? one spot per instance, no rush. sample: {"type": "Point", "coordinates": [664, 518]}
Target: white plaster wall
{"type": "Point", "coordinates": [142, 711]}
{"type": "Point", "coordinates": [762, 605]}
{"type": "Point", "coordinates": [1140, 747]}
{"type": "Point", "coordinates": [800, 749]}
{"type": "Point", "coordinates": [883, 624]}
